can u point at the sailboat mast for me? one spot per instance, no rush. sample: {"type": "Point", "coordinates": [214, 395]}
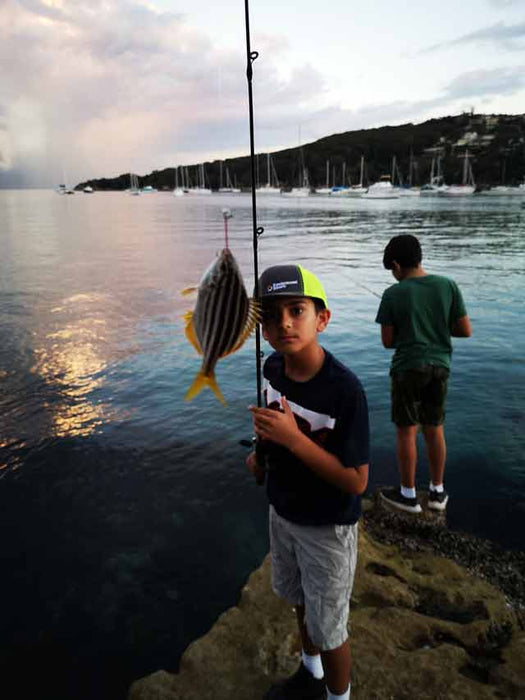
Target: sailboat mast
{"type": "Point", "coordinates": [361, 174]}
{"type": "Point", "coordinates": [465, 167]}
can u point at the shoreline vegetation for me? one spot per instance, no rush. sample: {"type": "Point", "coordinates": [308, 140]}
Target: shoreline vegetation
{"type": "Point", "coordinates": [434, 611]}
{"type": "Point", "coordinates": [495, 144]}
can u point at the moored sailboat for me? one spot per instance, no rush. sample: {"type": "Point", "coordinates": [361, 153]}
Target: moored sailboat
{"type": "Point", "coordinates": [178, 191]}
{"type": "Point", "coordinates": [272, 182]}
{"type": "Point", "coordinates": [201, 189]}
{"type": "Point", "coordinates": [133, 185]}
{"type": "Point", "coordinates": [303, 190]}
{"type": "Point", "coordinates": [382, 189]}
{"type": "Point", "coordinates": [467, 187]}
{"type": "Point", "coordinates": [358, 190]}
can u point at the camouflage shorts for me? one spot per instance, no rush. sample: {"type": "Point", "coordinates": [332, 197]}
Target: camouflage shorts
{"type": "Point", "coordinates": [418, 396]}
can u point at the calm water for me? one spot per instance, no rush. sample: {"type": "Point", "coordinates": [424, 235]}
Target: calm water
{"type": "Point", "coordinates": [129, 522]}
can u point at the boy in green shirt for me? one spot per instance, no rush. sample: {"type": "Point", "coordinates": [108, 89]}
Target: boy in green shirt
{"type": "Point", "coordinates": [418, 316]}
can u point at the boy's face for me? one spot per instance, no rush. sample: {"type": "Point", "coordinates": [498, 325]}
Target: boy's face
{"type": "Point", "coordinates": [291, 324]}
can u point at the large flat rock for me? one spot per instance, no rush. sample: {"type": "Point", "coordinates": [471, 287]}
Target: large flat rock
{"type": "Point", "coordinates": [422, 626]}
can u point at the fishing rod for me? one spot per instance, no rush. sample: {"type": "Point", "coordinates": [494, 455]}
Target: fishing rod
{"type": "Point", "coordinates": [251, 56]}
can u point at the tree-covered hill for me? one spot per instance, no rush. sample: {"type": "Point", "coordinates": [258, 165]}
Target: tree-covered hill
{"type": "Point", "coordinates": [496, 144]}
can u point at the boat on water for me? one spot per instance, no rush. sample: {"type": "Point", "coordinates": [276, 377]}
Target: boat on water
{"type": "Point", "coordinates": [503, 191]}
{"type": "Point", "coordinates": [436, 183]}
{"type": "Point", "coordinates": [468, 185]}
{"type": "Point", "coordinates": [63, 189]}
{"type": "Point", "coordinates": [404, 189]}
{"type": "Point", "coordinates": [383, 189]}
{"type": "Point", "coordinates": [201, 189]}
{"type": "Point", "coordinates": [88, 189]}
{"type": "Point", "coordinates": [297, 192]}
{"type": "Point", "coordinates": [178, 191]}
{"type": "Point", "coordinates": [304, 189]}
{"type": "Point", "coordinates": [148, 189]}
{"type": "Point", "coordinates": [326, 189]}
{"type": "Point", "coordinates": [229, 188]}
{"type": "Point", "coordinates": [272, 182]}
{"type": "Point", "coordinates": [339, 191]}
{"type": "Point", "coordinates": [357, 190]}
{"type": "Point", "coordinates": [134, 188]}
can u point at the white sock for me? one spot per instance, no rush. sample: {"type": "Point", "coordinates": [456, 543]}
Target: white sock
{"type": "Point", "coordinates": [408, 493]}
{"type": "Point", "coordinates": [344, 696]}
{"type": "Point", "coordinates": [313, 664]}
{"type": "Point", "coordinates": [433, 487]}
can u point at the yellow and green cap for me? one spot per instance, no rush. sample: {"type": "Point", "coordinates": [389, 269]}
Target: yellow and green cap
{"type": "Point", "coordinates": [290, 281]}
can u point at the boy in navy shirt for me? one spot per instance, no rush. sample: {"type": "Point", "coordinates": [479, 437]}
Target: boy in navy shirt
{"type": "Point", "coordinates": [315, 435]}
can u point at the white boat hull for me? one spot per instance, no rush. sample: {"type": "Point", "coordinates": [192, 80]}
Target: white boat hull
{"type": "Point", "coordinates": [297, 192]}
{"type": "Point", "coordinates": [355, 192]}
{"type": "Point", "coordinates": [268, 190]}
{"type": "Point", "coordinates": [458, 191]}
{"type": "Point", "coordinates": [381, 190]}
{"type": "Point", "coordinates": [408, 192]}
{"type": "Point", "coordinates": [502, 191]}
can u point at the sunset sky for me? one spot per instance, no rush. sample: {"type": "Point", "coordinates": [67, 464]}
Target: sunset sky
{"type": "Point", "coordinates": [99, 88]}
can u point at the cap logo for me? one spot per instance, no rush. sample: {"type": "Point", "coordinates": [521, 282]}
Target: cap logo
{"type": "Point", "coordinates": [276, 286]}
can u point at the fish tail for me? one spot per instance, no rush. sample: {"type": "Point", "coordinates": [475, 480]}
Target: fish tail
{"type": "Point", "coordinates": [200, 382]}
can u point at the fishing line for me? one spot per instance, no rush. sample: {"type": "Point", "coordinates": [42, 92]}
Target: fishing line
{"type": "Point", "coordinates": [363, 286]}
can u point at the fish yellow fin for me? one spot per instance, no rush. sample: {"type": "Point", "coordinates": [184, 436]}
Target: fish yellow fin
{"type": "Point", "coordinates": [188, 290]}
{"type": "Point", "coordinates": [252, 319]}
{"type": "Point", "coordinates": [189, 331]}
{"type": "Point", "coordinates": [200, 382]}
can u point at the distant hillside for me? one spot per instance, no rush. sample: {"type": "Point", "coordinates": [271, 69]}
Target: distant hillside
{"type": "Point", "coordinates": [496, 143]}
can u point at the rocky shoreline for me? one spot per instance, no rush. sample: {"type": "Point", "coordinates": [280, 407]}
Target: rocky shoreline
{"type": "Point", "coordinates": [434, 614]}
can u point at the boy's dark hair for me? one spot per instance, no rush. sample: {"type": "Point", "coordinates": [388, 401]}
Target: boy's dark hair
{"type": "Point", "coordinates": [404, 250]}
{"type": "Point", "coordinates": [319, 304]}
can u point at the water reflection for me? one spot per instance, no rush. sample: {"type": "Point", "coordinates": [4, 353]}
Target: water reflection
{"type": "Point", "coordinates": [73, 360]}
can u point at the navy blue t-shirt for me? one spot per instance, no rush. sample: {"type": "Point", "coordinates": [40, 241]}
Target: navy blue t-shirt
{"type": "Point", "coordinates": [330, 408]}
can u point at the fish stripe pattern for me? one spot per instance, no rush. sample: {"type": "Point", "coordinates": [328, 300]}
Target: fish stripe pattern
{"type": "Point", "coordinates": [222, 320]}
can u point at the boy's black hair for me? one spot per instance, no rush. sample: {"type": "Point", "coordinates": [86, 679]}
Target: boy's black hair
{"type": "Point", "coordinates": [404, 250]}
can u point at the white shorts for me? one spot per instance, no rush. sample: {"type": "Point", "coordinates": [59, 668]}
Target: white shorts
{"type": "Point", "coordinates": [314, 566]}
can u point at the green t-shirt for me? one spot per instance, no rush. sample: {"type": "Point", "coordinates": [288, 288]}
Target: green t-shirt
{"type": "Point", "coordinates": [422, 311]}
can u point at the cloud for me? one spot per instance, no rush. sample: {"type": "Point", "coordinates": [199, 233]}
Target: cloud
{"type": "Point", "coordinates": [110, 86]}
{"type": "Point", "coordinates": [504, 3]}
{"type": "Point", "coordinates": [487, 83]}
{"type": "Point", "coordinates": [504, 36]}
